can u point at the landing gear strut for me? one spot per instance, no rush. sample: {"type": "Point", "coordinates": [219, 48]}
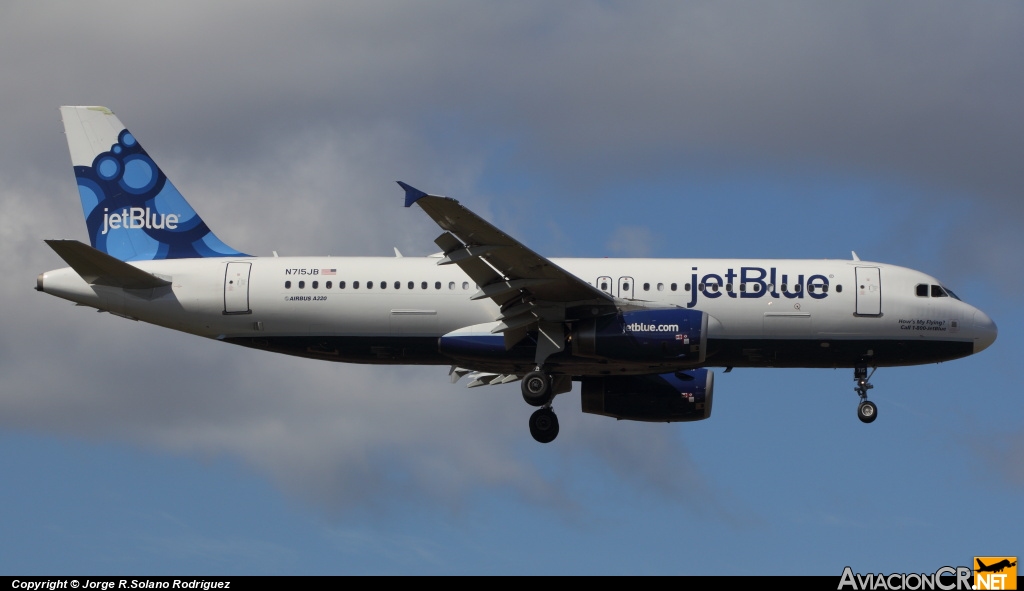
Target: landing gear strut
{"type": "Point", "coordinates": [538, 391]}
{"type": "Point", "coordinates": [866, 410]}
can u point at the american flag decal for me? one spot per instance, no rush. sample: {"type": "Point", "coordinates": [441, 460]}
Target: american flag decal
{"type": "Point", "coordinates": [328, 271]}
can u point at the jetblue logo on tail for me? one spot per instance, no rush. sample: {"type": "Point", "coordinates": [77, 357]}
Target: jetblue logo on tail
{"type": "Point", "coordinates": [136, 217]}
{"type": "Point", "coordinates": [134, 212]}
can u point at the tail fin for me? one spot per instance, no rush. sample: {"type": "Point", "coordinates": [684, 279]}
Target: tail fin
{"type": "Point", "coordinates": [132, 210]}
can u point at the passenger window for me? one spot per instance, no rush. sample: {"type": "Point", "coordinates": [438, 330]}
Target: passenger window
{"type": "Point", "coordinates": [647, 287]}
{"type": "Point", "coordinates": [369, 285]}
{"type": "Point", "coordinates": [625, 287]}
{"type": "Point", "coordinates": [316, 284]}
{"type": "Point", "coordinates": [437, 285]}
{"type": "Point", "coordinates": [341, 285]}
{"type": "Point", "coordinates": [355, 285]}
{"type": "Point", "coordinates": [937, 292]}
{"type": "Point", "coordinates": [810, 288]}
{"type": "Point", "coordinates": [302, 284]}
{"type": "Point", "coordinates": [743, 287]}
{"type": "Point", "coordinates": [728, 287]}
{"type": "Point", "coordinates": [687, 287]}
{"type": "Point", "coordinates": [451, 285]}
{"type": "Point", "coordinates": [398, 285]}
{"type": "Point", "coordinates": [383, 284]}
{"type": "Point", "coordinates": [661, 287]}
{"type": "Point", "coordinates": [412, 285]}
{"type": "Point", "coordinates": [604, 286]}
{"type": "Point", "coordinates": [922, 290]}
{"type": "Point", "coordinates": [824, 289]}
{"type": "Point", "coordinates": [673, 287]}
{"type": "Point", "coordinates": [423, 285]}
{"type": "Point", "coordinates": [327, 285]}
{"type": "Point", "coordinates": [465, 285]}
{"type": "Point", "coordinates": [796, 288]}
{"type": "Point", "coordinates": [783, 286]}
{"type": "Point", "coordinates": [287, 284]}
{"type": "Point", "coordinates": [839, 289]}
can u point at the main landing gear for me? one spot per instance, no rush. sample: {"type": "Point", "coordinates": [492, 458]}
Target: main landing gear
{"type": "Point", "coordinates": [866, 411]}
{"type": "Point", "coordinates": [537, 391]}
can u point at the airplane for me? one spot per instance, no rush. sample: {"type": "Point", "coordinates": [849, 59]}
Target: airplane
{"type": "Point", "coordinates": [995, 568]}
{"type": "Point", "coordinates": [639, 334]}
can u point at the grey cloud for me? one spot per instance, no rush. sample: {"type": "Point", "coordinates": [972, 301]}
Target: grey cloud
{"type": "Point", "coordinates": [631, 241]}
{"type": "Point", "coordinates": [287, 125]}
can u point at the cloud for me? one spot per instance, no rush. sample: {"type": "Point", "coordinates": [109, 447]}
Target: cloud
{"type": "Point", "coordinates": [1001, 454]}
{"type": "Point", "coordinates": [631, 241]}
{"type": "Point", "coordinates": [286, 127]}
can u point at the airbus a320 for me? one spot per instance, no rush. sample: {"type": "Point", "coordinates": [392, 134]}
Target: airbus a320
{"type": "Point", "coordinates": [639, 335]}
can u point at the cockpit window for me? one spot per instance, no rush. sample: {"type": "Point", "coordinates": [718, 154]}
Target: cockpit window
{"type": "Point", "coordinates": [951, 294]}
{"type": "Point", "coordinates": [922, 290]}
{"type": "Point", "coordinates": [938, 292]}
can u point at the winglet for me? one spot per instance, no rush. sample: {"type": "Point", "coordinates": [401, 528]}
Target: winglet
{"type": "Point", "coordinates": [412, 194]}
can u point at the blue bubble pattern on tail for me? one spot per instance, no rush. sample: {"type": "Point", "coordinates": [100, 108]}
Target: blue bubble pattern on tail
{"type": "Point", "coordinates": [133, 212]}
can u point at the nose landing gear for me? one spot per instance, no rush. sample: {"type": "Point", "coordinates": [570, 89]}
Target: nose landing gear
{"type": "Point", "coordinates": [867, 412]}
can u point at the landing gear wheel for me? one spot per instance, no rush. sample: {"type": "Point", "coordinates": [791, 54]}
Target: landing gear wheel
{"type": "Point", "coordinates": [867, 411]}
{"type": "Point", "coordinates": [544, 425]}
{"type": "Point", "coordinates": [536, 388]}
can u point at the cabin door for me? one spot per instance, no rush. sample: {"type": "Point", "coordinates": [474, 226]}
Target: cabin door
{"type": "Point", "coordinates": [869, 292]}
{"type": "Point", "coordinates": [236, 288]}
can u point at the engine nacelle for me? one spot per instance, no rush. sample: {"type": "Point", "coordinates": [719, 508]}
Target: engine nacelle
{"type": "Point", "coordinates": [670, 397]}
{"type": "Point", "coordinates": [665, 334]}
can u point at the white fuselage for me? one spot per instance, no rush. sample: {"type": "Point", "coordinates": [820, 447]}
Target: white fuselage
{"type": "Point", "coordinates": [800, 313]}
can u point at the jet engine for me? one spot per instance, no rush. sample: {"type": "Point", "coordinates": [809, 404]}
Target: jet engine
{"type": "Point", "coordinates": [670, 397]}
{"type": "Point", "coordinates": [676, 334]}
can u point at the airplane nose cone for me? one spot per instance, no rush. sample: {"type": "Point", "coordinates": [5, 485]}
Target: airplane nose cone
{"type": "Point", "coordinates": [985, 330]}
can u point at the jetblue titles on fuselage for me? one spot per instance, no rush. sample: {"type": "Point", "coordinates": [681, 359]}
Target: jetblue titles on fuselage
{"type": "Point", "coordinates": [756, 282]}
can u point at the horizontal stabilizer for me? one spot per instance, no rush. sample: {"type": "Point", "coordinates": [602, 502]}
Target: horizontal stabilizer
{"type": "Point", "coordinates": [98, 268]}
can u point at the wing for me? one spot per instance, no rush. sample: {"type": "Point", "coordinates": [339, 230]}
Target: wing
{"type": "Point", "coordinates": [534, 294]}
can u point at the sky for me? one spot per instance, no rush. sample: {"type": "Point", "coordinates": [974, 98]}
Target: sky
{"type": "Point", "coordinates": [588, 129]}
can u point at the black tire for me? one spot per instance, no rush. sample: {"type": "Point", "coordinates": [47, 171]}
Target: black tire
{"type": "Point", "coordinates": [867, 412]}
{"type": "Point", "coordinates": [536, 388]}
{"type": "Point", "coordinates": [544, 425]}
